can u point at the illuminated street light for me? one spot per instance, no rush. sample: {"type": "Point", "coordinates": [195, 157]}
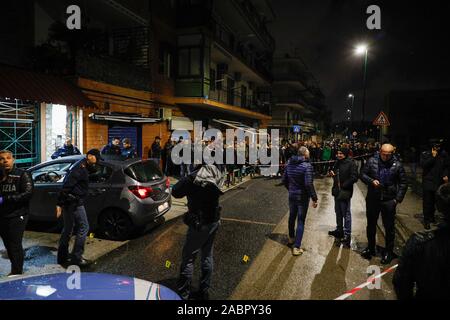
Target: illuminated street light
{"type": "Point", "coordinates": [363, 49]}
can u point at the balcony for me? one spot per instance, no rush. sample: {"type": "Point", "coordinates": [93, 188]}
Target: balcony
{"type": "Point", "coordinates": [120, 58]}
{"type": "Point", "coordinates": [259, 62]}
{"type": "Point", "coordinates": [249, 12]}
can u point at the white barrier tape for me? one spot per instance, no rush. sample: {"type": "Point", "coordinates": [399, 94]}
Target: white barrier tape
{"type": "Point", "coordinates": [365, 284]}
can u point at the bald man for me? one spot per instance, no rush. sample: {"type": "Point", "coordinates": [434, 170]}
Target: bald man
{"type": "Point", "coordinates": [386, 180]}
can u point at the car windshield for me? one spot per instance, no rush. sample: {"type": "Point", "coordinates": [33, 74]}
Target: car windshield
{"type": "Point", "coordinates": [144, 171]}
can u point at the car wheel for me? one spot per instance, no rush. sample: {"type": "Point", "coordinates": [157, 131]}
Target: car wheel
{"type": "Point", "coordinates": [115, 225]}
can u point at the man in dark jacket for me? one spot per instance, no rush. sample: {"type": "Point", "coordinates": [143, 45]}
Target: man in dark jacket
{"type": "Point", "coordinates": [113, 148]}
{"type": "Point", "coordinates": [67, 150]}
{"type": "Point", "coordinates": [345, 175]}
{"type": "Point", "coordinates": [154, 153]}
{"type": "Point", "coordinates": [128, 151]}
{"type": "Point", "coordinates": [16, 189]}
{"type": "Point", "coordinates": [202, 189]}
{"type": "Point", "coordinates": [435, 173]}
{"type": "Point", "coordinates": [424, 266]}
{"type": "Point", "coordinates": [386, 180]}
{"type": "Point", "coordinates": [71, 205]}
{"type": "Point", "coordinates": [298, 178]}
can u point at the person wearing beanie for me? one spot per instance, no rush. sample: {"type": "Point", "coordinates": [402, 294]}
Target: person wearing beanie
{"type": "Point", "coordinates": [345, 175]}
{"type": "Point", "coordinates": [423, 270]}
{"type": "Point", "coordinates": [70, 205]}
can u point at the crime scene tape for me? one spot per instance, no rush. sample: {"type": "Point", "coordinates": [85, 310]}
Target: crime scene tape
{"type": "Point", "coordinates": [365, 284]}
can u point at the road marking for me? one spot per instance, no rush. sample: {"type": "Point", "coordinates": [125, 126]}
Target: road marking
{"type": "Point", "coordinates": [249, 221]}
{"type": "Point", "coordinates": [365, 284]}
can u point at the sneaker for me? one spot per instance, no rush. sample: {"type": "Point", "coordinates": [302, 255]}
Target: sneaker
{"type": "Point", "coordinates": [291, 241]}
{"type": "Point", "coordinates": [297, 251]}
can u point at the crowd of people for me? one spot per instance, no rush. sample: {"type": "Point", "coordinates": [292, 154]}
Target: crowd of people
{"type": "Point", "coordinates": [381, 169]}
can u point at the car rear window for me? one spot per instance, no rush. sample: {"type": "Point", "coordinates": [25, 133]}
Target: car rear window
{"type": "Point", "coordinates": [144, 171]}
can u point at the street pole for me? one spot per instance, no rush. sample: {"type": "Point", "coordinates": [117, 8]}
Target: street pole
{"type": "Point", "coordinates": [351, 112]}
{"type": "Point", "coordinates": [365, 88]}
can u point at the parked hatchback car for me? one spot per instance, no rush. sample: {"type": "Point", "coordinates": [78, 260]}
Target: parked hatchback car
{"type": "Point", "coordinates": [123, 195]}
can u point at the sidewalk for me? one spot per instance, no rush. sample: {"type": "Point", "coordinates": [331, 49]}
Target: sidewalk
{"type": "Point", "coordinates": [409, 217]}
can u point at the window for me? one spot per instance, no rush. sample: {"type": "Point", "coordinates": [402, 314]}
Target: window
{"type": "Point", "coordinates": [189, 62]}
{"type": "Point", "coordinates": [165, 60]}
{"type": "Point", "coordinates": [143, 172]}
{"type": "Point", "coordinates": [52, 173]}
{"type": "Point", "coordinates": [101, 174]}
{"type": "Point", "coordinates": [212, 77]}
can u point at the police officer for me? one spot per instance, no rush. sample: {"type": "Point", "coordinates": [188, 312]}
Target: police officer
{"type": "Point", "coordinates": [67, 150]}
{"type": "Point", "coordinates": [435, 173]}
{"type": "Point", "coordinates": [202, 188]}
{"type": "Point", "coordinates": [71, 205]}
{"type": "Point", "coordinates": [113, 148]}
{"type": "Point", "coordinates": [387, 186]}
{"type": "Point", "coordinates": [424, 266]}
{"type": "Point", "coordinates": [16, 189]}
{"type": "Point", "coordinates": [128, 151]}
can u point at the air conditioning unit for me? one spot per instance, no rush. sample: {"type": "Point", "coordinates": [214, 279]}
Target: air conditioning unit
{"type": "Point", "coordinates": [164, 113]}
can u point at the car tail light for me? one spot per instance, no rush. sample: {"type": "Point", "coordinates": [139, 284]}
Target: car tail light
{"type": "Point", "coordinates": [141, 192]}
{"type": "Point", "coordinates": [168, 183]}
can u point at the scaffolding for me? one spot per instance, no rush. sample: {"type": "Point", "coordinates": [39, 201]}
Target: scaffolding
{"type": "Point", "coordinates": [19, 130]}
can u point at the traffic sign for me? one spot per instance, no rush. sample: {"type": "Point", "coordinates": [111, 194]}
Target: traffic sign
{"type": "Point", "coordinates": [381, 120]}
{"type": "Point", "coordinates": [297, 129]}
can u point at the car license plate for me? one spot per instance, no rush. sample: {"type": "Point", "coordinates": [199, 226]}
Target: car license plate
{"type": "Point", "coordinates": [163, 207]}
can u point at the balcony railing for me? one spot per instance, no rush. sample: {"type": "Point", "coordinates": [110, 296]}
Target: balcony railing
{"type": "Point", "coordinates": [233, 97]}
{"type": "Point", "coordinates": [251, 58]}
{"type": "Point", "coordinates": [249, 11]}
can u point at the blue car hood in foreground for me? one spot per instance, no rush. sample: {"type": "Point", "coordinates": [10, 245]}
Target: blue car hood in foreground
{"type": "Point", "coordinates": [91, 286]}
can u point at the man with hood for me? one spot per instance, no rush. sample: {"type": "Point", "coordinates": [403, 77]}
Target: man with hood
{"type": "Point", "coordinates": [298, 178]}
{"type": "Point", "coordinates": [202, 188]}
{"type": "Point", "coordinates": [386, 180]}
{"type": "Point", "coordinates": [424, 266]}
{"type": "Point", "coordinates": [345, 175]}
{"type": "Point", "coordinates": [67, 150]}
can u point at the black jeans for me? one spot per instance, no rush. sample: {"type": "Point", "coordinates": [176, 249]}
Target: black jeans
{"type": "Point", "coordinates": [11, 232]}
{"type": "Point", "coordinates": [75, 221]}
{"type": "Point", "coordinates": [429, 201]}
{"type": "Point", "coordinates": [387, 209]}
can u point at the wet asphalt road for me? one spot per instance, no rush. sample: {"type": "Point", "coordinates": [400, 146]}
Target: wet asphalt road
{"type": "Point", "coordinates": [254, 223]}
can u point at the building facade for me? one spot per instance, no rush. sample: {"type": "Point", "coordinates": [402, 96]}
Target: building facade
{"type": "Point", "coordinates": [136, 69]}
{"type": "Point", "coordinates": [299, 111]}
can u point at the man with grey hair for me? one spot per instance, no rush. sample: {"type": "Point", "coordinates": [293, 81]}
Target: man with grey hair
{"type": "Point", "coordinates": [16, 189]}
{"type": "Point", "coordinates": [298, 178]}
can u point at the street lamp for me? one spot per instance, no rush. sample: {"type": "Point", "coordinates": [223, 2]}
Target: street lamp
{"type": "Point", "coordinates": [363, 50]}
{"type": "Point", "coordinates": [351, 96]}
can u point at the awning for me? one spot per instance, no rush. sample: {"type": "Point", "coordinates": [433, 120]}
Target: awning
{"type": "Point", "coordinates": [237, 125]}
{"type": "Point", "coordinates": [123, 118]}
{"type": "Point", "coordinates": [26, 85]}
{"type": "Point", "coordinates": [202, 103]}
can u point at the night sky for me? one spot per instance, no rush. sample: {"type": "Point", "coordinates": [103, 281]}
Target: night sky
{"type": "Point", "coordinates": [411, 51]}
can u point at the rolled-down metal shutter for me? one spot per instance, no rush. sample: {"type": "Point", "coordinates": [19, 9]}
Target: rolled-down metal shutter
{"type": "Point", "coordinates": [132, 133]}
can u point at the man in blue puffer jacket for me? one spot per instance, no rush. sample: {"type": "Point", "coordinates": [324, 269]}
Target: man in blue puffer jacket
{"type": "Point", "coordinates": [298, 179]}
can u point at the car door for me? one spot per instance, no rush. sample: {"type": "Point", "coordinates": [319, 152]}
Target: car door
{"type": "Point", "coordinates": [99, 186]}
{"type": "Point", "coordinates": [48, 181]}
